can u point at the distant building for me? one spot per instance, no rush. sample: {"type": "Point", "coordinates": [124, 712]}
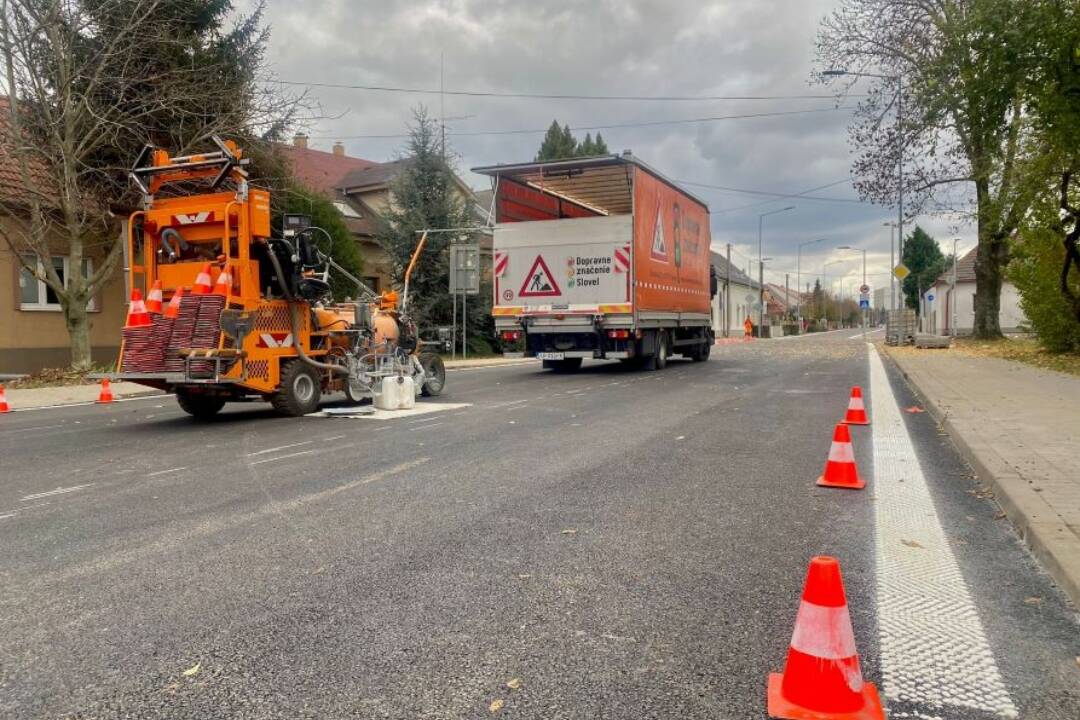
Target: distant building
{"type": "Point", "coordinates": [735, 302]}
{"type": "Point", "coordinates": [949, 310]}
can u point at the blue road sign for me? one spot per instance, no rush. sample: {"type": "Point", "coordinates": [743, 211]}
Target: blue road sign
{"type": "Point", "coordinates": [930, 297]}
{"type": "Point", "coordinates": [864, 304]}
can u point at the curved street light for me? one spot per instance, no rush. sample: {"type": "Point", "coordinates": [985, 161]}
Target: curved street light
{"type": "Point", "coordinates": [761, 265]}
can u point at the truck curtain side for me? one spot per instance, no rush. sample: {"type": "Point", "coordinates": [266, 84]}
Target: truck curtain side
{"type": "Point", "coordinates": [600, 258]}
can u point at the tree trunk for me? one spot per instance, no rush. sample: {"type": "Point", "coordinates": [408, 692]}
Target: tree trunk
{"type": "Point", "coordinates": [78, 326]}
{"type": "Point", "coordinates": [989, 269]}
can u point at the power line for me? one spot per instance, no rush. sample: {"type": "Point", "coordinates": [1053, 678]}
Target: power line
{"type": "Point", "coordinates": [551, 96]}
{"type": "Point", "coordinates": [612, 126]}
{"type": "Point", "coordinates": [802, 195]}
{"type": "Point", "coordinates": [767, 202]}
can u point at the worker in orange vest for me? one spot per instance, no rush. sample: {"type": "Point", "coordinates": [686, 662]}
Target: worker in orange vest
{"type": "Point", "coordinates": [748, 327]}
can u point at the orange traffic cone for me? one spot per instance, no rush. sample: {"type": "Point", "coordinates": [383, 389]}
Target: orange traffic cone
{"type": "Point", "coordinates": [172, 310]}
{"type": "Point", "coordinates": [856, 411]}
{"type": "Point", "coordinates": [105, 396]}
{"type": "Point", "coordinates": [202, 281]}
{"type": "Point", "coordinates": [840, 470]}
{"type": "Point", "coordinates": [822, 679]}
{"type": "Point", "coordinates": [224, 282]}
{"type": "Point", "coordinates": [4, 407]}
{"type": "Point", "coordinates": [153, 300]}
{"type": "Point", "coordinates": [137, 315]}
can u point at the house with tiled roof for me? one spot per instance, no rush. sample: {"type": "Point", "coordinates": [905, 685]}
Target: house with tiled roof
{"type": "Point", "coordinates": [361, 190]}
{"type": "Point", "coordinates": [949, 304]}
{"type": "Point", "coordinates": [736, 294]}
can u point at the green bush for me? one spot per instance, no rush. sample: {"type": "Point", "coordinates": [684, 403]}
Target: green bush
{"type": "Point", "coordinates": [1035, 269]}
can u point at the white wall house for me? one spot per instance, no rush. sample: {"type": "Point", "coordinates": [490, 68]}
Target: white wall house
{"type": "Point", "coordinates": [951, 311]}
{"type": "Point", "coordinates": [736, 311]}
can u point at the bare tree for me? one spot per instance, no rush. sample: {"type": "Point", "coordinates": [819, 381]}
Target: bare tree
{"type": "Point", "coordinates": [964, 137]}
{"type": "Point", "coordinates": [88, 83]}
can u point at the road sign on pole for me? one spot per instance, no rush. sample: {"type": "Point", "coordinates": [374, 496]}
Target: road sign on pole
{"type": "Point", "coordinates": [864, 289]}
{"type": "Point", "coordinates": [465, 269]}
{"type": "Point", "coordinates": [901, 271]}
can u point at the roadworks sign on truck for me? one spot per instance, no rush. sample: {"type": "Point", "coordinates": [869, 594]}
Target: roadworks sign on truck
{"type": "Point", "coordinates": [600, 258]}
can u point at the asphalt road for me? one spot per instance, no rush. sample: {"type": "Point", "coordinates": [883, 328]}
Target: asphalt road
{"type": "Point", "coordinates": [612, 544]}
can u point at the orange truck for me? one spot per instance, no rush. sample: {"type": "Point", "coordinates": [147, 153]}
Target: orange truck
{"type": "Point", "coordinates": [600, 257]}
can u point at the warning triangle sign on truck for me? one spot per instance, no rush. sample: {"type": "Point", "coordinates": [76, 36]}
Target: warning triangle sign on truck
{"type": "Point", "coordinates": [659, 246]}
{"type": "Point", "coordinates": [539, 282]}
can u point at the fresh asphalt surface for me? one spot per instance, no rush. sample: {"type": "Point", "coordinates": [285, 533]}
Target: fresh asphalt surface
{"type": "Point", "coordinates": [623, 544]}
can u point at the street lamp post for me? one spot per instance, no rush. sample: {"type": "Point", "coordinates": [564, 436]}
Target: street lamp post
{"type": "Point", "coordinates": [899, 79]}
{"type": "Point", "coordinates": [892, 264]}
{"type": "Point", "coordinates": [952, 292]}
{"type": "Point", "coordinates": [798, 281]}
{"type": "Point", "coordinates": [761, 272]}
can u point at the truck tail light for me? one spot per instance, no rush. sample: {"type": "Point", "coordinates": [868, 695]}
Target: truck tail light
{"type": "Point", "coordinates": [618, 334]}
{"type": "Point", "coordinates": [511, 335]}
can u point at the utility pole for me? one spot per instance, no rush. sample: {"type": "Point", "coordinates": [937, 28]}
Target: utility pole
{"type": "Point", "coordinates": [727, 296]}
{"type": "Point", "coordinates": [787, 293]}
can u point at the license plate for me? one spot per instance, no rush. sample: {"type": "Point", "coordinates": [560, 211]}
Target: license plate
{"type": "Point", "coordinates": [551, 356]}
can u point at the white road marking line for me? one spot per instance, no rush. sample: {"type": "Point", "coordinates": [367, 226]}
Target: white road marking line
{"type": "Point", "coordinates": [425, 427]}
{"type": "Point", "coordinates": [336, 437]}
{"type": "Point", "coordinates": [31, 429]}
{"type": "Point", "coordinates": [280, 447]}
{"type": "Point", "coordinates": [933, 648]}
{"type": "Point", "coordinates": [281, 457]}
{"type": "Point", "coordinates": [57, 491]}
{"type": "Point", "coordinates": [165, 472]}
{"type": "Point", "coordinates": [4, 517]}
{"type": "Point", "coordinates": [155, 396]}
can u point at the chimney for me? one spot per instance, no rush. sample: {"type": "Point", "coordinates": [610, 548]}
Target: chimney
{"type": "Point", "coordinates": [300, 140]}
{"type": "Point", "coordinates": [339, 149]}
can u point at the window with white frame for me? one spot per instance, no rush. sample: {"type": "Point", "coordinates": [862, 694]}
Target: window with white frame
{"type": "Point", "coordinates": [35, 294]}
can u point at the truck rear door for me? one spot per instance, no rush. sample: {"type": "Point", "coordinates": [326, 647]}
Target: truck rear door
{"type": "Point", "coordinates": [571, 266]}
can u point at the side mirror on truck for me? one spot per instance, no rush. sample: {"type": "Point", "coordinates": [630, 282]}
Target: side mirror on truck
{"type": "Point", "coordinates": [714, 282]}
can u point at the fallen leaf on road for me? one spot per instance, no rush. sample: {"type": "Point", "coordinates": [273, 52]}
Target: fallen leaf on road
{"type": "Point", "coordinates": [1033, 600]}
{"type": "Point", "coordinates": [570, 531]}
{"type": "Point", "coordinates": [912, 544]}
{"type": "Point", "coordinates": [524, 576]}
{"type": "Point", "coordinates": [193, 670]}
{"type": "Point", "coordinates": [914, 409]}
{"type": "Point", "coordinates": [171, 688]}
{"type": "Point", "coordinates": [1000, 515]}
{"type": "Point", "coordinates": [496, 705]}
{"type": "Point", "coordinates": [513, 684]}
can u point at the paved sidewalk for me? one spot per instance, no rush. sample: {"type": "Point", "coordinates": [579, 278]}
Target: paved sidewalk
{"type": "Point", "coordinates": [1019, 428]}
{"type": "Point", "coordinates": [25, 399]}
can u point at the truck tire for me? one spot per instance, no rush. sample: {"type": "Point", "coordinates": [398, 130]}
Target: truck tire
{"type": "Point", "coordinates": [700, 353]}
{"type": "Point", "coordinates": [298, 391]}
{"type": "Point", "coordinates": [658, 360]}
{"type": "Point", "coordinates": [563, 366]}
{"type": "Point", "coordinates": [434, 375]}
{"type": "Point", "coordinates": [200, 407]}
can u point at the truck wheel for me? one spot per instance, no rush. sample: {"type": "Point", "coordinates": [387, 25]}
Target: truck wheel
{"type": "Point", "coordinates": [703, 352]}
{"type": "Point", "coordinates": [434, 374]}
{"type": "Point", "coordinates": [298, 393]}
{"type": "Point", "coordinates": [563, 366]}
{"type": "Point", "coordinates": [658, 360]}
{"type": "Point", "coordinates": [200, 407]}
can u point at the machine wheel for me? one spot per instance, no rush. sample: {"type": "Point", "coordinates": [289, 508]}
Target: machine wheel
{"type": "Point", "coordinates": [434, 375]}
{"type": "Point", "coordinates": [298, 393]}
{"type": "Point", "coordinates": [200, 407]}
{"type": "Point", "coordinates": [658, 360]}
{"type": "Point", "coordinates": [355, 391]}
{"type": "Point", "coordinates": [563, 366]}
{"type": "Point", "coordinates": [703, 352]}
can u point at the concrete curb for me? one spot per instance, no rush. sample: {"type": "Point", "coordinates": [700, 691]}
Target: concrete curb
{"type": "Point", "coordinates": [1048, 538]}
{"type": "Point", "coordinates": [21, 405]}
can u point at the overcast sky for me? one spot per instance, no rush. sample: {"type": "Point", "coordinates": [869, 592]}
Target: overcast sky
{"type": "Point", "coordinates": [610, 47]}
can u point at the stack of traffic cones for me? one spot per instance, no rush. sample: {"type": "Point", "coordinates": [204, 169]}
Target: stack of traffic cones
{"type": "Point", "coordinates": [105, 396]}
{"type": "Point", "coordinates": [138, 353]}
{"type": "Point", "coordinates": [202, 281]}
{"type": "Point", "coordinates": [153, 300]}
{"type": "Point", "coordinates": [840, 469]}
{"type": "Point", "coordinates": [223, 286]}
{"type": "Point", "coordinates": [4, 407]}
{"type": "Point", "coordinates": [822, 679]}
{"type": "Point", "coordinates": [183, 329]}
{"type": "Point", "coordinates": [856, 411]}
